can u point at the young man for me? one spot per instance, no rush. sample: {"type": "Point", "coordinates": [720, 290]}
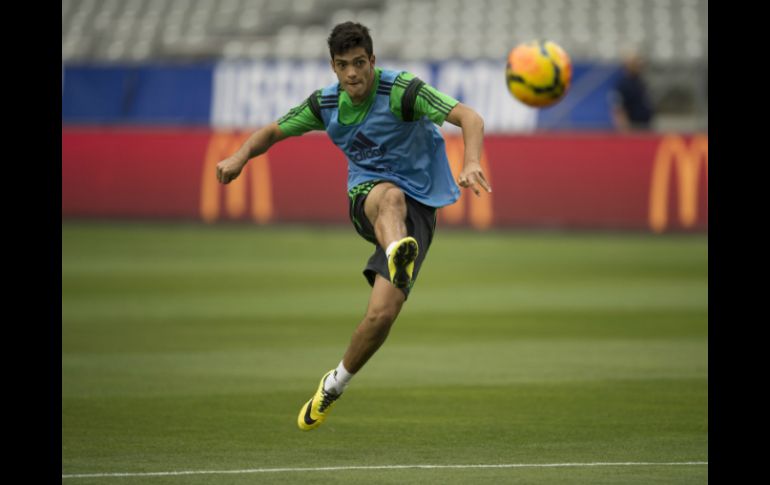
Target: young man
{"type": "Point", "coordinates": [398, 175]}
{"type": "Point", "coordinates": [632, 109]}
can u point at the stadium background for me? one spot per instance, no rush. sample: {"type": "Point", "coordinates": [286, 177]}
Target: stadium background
{"type": "Point", "coordinates": [181, 81]}
{"type": "Point", "coordinates": [155, 93]}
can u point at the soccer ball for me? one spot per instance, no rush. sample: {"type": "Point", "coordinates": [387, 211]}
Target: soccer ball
{"type": "Point", "coordinates": [538, 73]}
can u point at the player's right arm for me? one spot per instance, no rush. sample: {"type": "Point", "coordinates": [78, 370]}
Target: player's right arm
{"type": "Point", "coordinates": [257, 144]}
{"type": "Point", "coordinates": [297, 121]}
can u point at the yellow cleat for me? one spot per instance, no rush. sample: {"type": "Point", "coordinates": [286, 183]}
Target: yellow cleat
{"type": "Point", "coordinates": [401, 262]}
{"type": "Point", "coordinates": [314, 412]}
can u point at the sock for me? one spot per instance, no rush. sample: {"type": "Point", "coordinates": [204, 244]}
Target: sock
{"type": "Point", "coordinates": [390, 248]}
{"type": "Point", "coordinates": [338, 380]}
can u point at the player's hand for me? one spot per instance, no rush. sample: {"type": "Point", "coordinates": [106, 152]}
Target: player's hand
{"type": "Point", "coordinates": [229, 169]}
{"type": "Point", "coordinates": [472, 175]}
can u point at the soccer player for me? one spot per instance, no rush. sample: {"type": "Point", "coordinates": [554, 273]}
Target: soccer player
{"type": "Point", "coordinates": [398, 175]}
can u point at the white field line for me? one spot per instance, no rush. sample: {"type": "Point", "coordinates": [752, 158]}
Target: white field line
{"type": "Point", "coordinates": [374, 467]}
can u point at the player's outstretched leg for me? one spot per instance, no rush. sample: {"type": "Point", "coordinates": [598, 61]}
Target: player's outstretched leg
{"type": "Point", "coordinates": [401, 261]}
{"type": "Point", "coordinates": [314, 412]}
{"type": "Point", "coordinates": [385, 303]}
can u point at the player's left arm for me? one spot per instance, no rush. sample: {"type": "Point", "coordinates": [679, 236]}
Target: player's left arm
{"type": "Point", "coordinates": [472, 126]}
{"type": "Point", "coordinates": [439, 107]}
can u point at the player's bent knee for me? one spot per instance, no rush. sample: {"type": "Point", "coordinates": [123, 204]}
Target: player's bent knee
{"type": "Point", "coordinates": [394, 198]}
{"type": "Point", "coordinates": [381, 318]}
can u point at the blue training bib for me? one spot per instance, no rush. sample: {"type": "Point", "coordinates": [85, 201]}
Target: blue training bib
{"type": "Point", "coordinates": [411, 155]}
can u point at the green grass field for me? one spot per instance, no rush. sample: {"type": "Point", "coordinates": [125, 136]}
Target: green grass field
{"type": "Point", "coordinates": [191, 348]}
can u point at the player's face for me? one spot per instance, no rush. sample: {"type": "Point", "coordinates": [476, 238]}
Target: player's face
{"type": "Point", "coordinates": [355, 72]}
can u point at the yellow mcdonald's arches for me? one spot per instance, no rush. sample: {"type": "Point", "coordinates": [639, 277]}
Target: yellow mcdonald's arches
{"type": "Point", "coordinates": [672, 150]}
{"type": "Point", "coordinates": [256, 173]}
{"type": "Point", "coordinates": [480, 214]}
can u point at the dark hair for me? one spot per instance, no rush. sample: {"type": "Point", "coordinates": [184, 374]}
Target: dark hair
{"type": "Point", "coordinates": [349, 35]}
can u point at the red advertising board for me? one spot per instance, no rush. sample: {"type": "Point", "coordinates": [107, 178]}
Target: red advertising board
{"type": "Point", "coordinates": [586, 181]}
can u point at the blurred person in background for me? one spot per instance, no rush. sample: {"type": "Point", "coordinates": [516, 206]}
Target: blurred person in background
{"type": "Point", "coordinates": [630, 101]}
{"type": "Point", "coordinates": [384, 122]}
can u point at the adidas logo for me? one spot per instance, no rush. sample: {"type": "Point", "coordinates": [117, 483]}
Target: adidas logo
{"type": "Point", "coordinates": [365, 148]}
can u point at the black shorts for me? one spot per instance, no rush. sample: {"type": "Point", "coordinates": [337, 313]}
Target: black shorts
{"type": "Point", "coordinates": [420, 224]}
